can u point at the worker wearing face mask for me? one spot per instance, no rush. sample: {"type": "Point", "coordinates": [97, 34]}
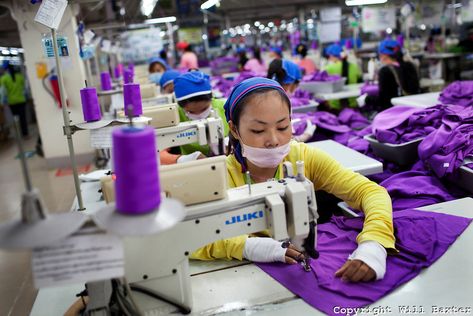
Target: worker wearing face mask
{"type": "Point", "coordinates": [194, 96]}
{"type": "Point", "coordinates": [157, 66]}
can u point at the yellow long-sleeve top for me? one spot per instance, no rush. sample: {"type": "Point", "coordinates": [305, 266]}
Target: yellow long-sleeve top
{"type": "Point", "coordinates": [327, 175]}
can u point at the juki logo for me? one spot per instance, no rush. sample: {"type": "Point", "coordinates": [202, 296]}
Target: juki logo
{"type": "Point", "coordinates": [186, 134]}
{"type": "Point", "coordinates": [245, 217]}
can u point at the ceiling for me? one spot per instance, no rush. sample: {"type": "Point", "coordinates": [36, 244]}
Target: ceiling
{"type": "Point", "coordinates": [104, 13]}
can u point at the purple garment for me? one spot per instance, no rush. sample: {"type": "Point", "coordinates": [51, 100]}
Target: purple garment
{"type": "Point", "coordinates": [402, 124]}
{"type": "Point", "coordinates": [353, 118]}
{"type": "Point", "coordinates": [223, 65]}
{"type": "Point", "coordinates": [445, 149]}
{"type": "Point", "coordinates": [321, 76]}
{"type": "Point", "coordinates": [458, 93]}
{"type": "Point", "coordinates": [421, 238]}
{"type": "Point", "coordinates": [415, 188]}
{"type": "Point", "coordinates": [370, 89]}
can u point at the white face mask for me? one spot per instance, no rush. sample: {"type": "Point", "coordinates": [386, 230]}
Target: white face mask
{"type": "Point", "coordinates": [200, 116]}
{"type": "Point", "coordinates": [265, 157]}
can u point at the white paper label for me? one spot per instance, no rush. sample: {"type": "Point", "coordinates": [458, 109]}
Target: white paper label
{"type": "Point", "coordinates": [78, 259]}
{"type": "Point", "coordinates": [106, 46]}
{"type": "Point", "coordinates": [50, 13]}
{"type": "Point", "coordinates": [88, 36]}
{"type": "Point", "coordinates": [101, 138]}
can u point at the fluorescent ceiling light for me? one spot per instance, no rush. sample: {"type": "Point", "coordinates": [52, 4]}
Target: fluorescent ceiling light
{"type": "Point", "coordinates": [208, 4]}
{"type": "Point", "coordinates": [363, 2]}
{"type": "Point", "coordinates": [147, 6]}
{"type": "Point", "coordinates": [161, 20]}
{"type": "Point", "coordinates": [5, 52]}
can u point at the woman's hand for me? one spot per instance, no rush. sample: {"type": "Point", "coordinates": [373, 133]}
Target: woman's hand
{"type": "Point", "coordinates": [355, 271]}
{"type": "Point", "coordinates": [293, 255]}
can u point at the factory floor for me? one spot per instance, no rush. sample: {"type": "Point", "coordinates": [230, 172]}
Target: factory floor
{"type": "Point", "coordinates": [17, 292]}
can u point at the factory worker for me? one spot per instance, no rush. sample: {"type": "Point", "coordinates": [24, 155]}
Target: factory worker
{"type": "Point", "coordinates": [167, 81]}
{"type": "Point", "coordinates": [157, 66]}
{"type": "Point", "coordinates": [305, 63]}
{"type": "Point", "coordinates": [338, 65]}
{"type": "Point", "coordinates": [258, 114]}
{"type": "Point", "coordinates": [287, 73]}
{"type": "Point", "coordinates": [242, 58]}
{"type": "Point", "coordinates": [275, 53]}
{"type": "Point", "coordinates": [256, 64]}
{"type": "Point", "coordinates": [395, 78]}
{"type": "Point", "coordinates": [194, 96]}
{"type": "Point", "coordinates": [189, 59]}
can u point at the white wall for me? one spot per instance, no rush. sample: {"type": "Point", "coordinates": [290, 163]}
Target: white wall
{"type": "Point", "coordinates": [49, 116]}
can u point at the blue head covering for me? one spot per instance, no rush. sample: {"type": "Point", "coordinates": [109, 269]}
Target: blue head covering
{"type": "Point", "coordinates": [389, 47]}
{"type": "Point", "coordinates": [276, 50]}
{"type": "Point", "coordinates": [5, 64]}
{"type": "Point", "coordinates": [191, 84]}
{"type": "Point", "coordinates": [158, 60]}
{"type": "Point", "coordinates": [334, 50]}
{"type": "Point", "coordinates": [293, 72]}
{"type": "Point", "coordinates": [168, 77]}
{"type": "Point", "coordinates": [238, 93]}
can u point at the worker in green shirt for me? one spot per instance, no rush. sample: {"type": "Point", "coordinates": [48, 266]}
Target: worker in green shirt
{"type": "Point", "coordinates": [339, 65]}
{"type": "Point", "coordinates": [13, 85]}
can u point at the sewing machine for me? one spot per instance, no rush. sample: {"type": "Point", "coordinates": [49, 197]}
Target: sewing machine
{"type": "Point", "coordinates": [286, 208]}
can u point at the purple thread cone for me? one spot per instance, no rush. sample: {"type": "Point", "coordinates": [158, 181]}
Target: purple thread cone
{"type": "Point", "coordinates": [137, 187]}
{"type": "Point", "coordinates": [131, 67]}
{"type": "Point", "coordinates": [132, 96]}
{"type": "Point", "coordinates": [127, 76]}
{"type": "Point", "coordinates": [105, 81]}
{"type": "Point", "coordinates": [90, 104]}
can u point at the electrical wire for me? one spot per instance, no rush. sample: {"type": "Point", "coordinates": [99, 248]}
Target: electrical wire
{"type": "Point", "coordinates": [151, 293]}
{"type": "Point", "coordinates": [132, 299]}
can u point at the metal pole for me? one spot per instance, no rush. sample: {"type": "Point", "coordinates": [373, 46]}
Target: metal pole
{"type": "Point", "coordinates": [206, 31]}
{"type": "Point", "coordinates": [65, 116]}
{"type": "Point", "coordinates": [24, 167]}
{"type": "Point", "coordinates": [172, 52]}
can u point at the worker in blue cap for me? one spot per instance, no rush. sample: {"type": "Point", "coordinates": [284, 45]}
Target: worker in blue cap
{"type": "Point", "coordinates": [339, 65]}
{"type": "Point", "coordinates": [287, 73]}
{"type": "Point", "coordinates": [12, 83]}
{"type": "Point", "coordinates": [275, 52]}
{"type": "Point", "coordinates": [261, 146]}
{"type": "Point", "coordinates": [395, 78]}
{"type": "Point", "coordinates": [157, 66]}
{"type": "Point", "coordinates": [167, 80]}
{"type": "Point", "coordinates": [194, 96]}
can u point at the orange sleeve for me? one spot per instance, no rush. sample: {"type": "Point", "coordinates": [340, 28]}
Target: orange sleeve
{"type": "Point", "coordinates": [166, 158]}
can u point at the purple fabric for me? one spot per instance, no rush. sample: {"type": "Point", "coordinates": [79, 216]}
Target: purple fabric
{"type": "Point", "coordinates": [321, 76]}
{"type": "Point", "coordinates": [415, 188]}
{"type": "Point", "coordinates": [223, 65]}
{"type": "Point", "coordinates": [370, 89]}
{"type": "Point", "coordinates": [445, 149]}
{"type": "Point", "coordinates": [458, 93]}
{"type": "Point", "coordinates": [401, 124]}
{"type": "Point", "coordinates": [301, 98]}
{"type": "Point", "coordinates": [353, 118]}
{"type": "Point", "coordinates": [421, 238]}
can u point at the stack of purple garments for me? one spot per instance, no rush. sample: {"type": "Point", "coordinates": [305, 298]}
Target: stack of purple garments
{"type": "Point", "coordinates": [446, 148]}
{"type": "Point", "coordinates": [458, 93]}
{"type": "Point", "coordinates": [321, 76]}
{"type": "Point", "coordinates": [370, 89]}
{"type": "Point", "coordinates": [421, 238]}
{"type": "Point", "coordinates": [402, 124]}
{"type": "Point", "coordinates": [415, 188]}
{"type": "Point", "coordinates": [221, 84]}
{"type": "Point", "coordinates": [301, 98]}
{"type": "Point", "coordinates": [223, 65]}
